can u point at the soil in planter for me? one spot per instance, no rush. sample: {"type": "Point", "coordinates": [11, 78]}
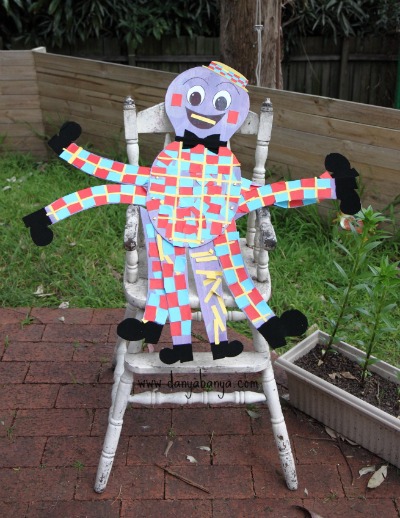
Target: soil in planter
{"type": "Point", "coordinates": [338, 370]}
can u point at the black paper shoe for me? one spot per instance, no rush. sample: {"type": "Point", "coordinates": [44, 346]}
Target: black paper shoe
{"type": "Point", "coordinates": [38, 223]}
{"type": "Point", "coordinates": [290, 323]}
{"type": "Point", "coordinates": [182, 353]}
{"type": "Point", "coordinates": [132, 329]}
{"type": "Point", "coordinates": [226, 349]}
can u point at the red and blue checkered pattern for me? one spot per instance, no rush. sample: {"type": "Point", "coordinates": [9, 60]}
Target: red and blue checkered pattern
{"type": "Point", "coordinates": [94, 197]}
{"type": "Point", "coordinates": [238, 279]}
{"type": "Point", "coordinates": [295, 193]}
{"type": "Point", "coordinates": [105, 168]}
{"type": "Point", "coordinates": [193, 194]}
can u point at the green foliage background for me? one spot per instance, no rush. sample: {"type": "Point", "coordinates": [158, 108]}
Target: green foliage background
{"type": "Point", "coordinates": [55, 23]}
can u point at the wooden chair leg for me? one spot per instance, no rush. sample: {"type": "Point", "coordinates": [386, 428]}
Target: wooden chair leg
{"type": "Point", "coordinates": [121, 348]}
{"type": "Point", "coordinates": [279, 428]}
{"type": "Point", "coordinates": [115, 421]}
{"type": "Point", "coordinates": [136, 347]}
{"type": "Point", "coordinates": [259, 342]}
{"type": "Point", "coordinates": [130, 312]}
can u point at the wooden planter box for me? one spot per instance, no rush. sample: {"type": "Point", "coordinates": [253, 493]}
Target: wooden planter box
{"type": "Point", "coordinates": [368, 426]}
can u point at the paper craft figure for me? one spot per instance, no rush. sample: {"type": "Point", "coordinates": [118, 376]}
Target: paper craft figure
{"type": "Point", "coordinates": [191, 197]}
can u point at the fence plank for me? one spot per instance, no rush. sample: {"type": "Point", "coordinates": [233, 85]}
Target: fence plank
{"type": "Point", "coordinates": [346, 110]}
{"type": "Point", "coordinates": [337, 128]}
{"type": "Point", "coordinates": [20, 115]}
{"type": "Point", "coordinates": [25, 87]}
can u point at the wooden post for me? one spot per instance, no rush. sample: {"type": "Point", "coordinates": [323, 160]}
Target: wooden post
{"type": "Point", "coordinates": [238, 39]}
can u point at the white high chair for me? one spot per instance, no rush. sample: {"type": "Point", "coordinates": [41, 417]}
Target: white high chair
{"type": "Point", "coordinates": [130, 360]}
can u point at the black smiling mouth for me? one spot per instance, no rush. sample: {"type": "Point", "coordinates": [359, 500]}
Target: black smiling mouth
{"type": "Point", "coordinates": [203, 121]}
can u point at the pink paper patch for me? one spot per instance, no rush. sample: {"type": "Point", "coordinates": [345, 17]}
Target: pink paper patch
{"type": "Point", "coordinates": [232, 117]}
{"type": "Point", "coordinates": [176, 100]}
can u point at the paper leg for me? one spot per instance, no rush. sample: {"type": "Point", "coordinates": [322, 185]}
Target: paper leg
{"type": "Point", "coordinates": [247, 297]}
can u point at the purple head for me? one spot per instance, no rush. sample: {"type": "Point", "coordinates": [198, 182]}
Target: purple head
{"type": "Point", "coordinates": [208, 100]}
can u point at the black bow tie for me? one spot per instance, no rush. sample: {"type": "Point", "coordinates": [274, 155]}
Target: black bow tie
{"type": "Point", "coordinates": [212, 142]}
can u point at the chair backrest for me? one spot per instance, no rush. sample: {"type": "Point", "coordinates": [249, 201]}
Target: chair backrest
{"type": "Point", "coordinates": [155, 120]}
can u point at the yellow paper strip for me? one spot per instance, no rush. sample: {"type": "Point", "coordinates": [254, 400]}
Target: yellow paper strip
{"type": "Point", "coordinates": [209, 273]}
{"type": "Point", "coordinates": [208, 296]}
{"type": "Point", "coordinates": [202, 254]}
{"type": "Point", "coordinates": [74, 155]}
{"type": "Point", "coordinates": [204, 119]}
{"type": "Point", "coordinates": [206, 282]}
{"type": "Point", "coordinates": [160, 247]}
{"type": "Point", "coordinates": [205, 259]}
{"type": "Point", "coordinates": [215, 286]}
{"type": "Point", "coordinates": [216, 333]}
{"type": "Point", "coordinates": [52, 213]}
{"type": "Point", "coordinates": [222, 304]}
{"type": "Point", "coordinates": [218, 318]}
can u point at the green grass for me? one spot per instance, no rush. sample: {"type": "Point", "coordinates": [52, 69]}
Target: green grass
{"type": "Point", "coordinates": [84, 263]}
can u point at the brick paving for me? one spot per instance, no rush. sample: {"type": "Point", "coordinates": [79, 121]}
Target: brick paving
{"type": "Point", "coordinates": [55, 383]}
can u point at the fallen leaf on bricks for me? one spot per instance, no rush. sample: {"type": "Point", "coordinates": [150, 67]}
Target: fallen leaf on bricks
{"type": "Point", "coordinates": [378, 477]}
{"type": "Point", "coordinates": [367, 469]}
{"type": "Point", "coordinates": [331, 432]}
{"type": "Point", "coordinates": [169, 445]}
{"type": "Point", "coordinates": [252, 414]}
{"type": "Point", "coordinates": [311, 514]}
{"type": "Point", "coordinates": [191, 459]}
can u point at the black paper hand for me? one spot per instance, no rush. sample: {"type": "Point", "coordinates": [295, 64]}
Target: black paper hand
{"type": "Point", "coordinates": [68, 133]}
{"type": "Point", "coordinates": [346, 183]}
{"type": "Point", "coordinates": [38, 223]}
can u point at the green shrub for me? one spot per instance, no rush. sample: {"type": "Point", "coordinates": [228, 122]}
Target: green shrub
{"type": "Point", "coordinates": [55, 23]}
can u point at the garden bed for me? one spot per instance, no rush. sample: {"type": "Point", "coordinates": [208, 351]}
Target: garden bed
{"type": "Point", "coordinates": [345, 374]}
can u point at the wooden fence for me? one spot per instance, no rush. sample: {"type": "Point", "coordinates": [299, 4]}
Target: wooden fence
{"type": "Point", "coordinates": [354, 69]}
{"type": "Point", "coordinates": [358, 69]}
{"type": "Point", "coordinates": [362, 70]}
{"type": "Point", "coordinates": [305, 127]}
{"type": "Point", "coordinates": [21, 124]}
{"type": "Point", "coordinates": [175, 54]}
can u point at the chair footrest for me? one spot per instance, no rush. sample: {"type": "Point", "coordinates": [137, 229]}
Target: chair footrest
{"type": "Point", "coordinates": [242, 397]}
{"type": "Point", "coordinates": [150, 363]}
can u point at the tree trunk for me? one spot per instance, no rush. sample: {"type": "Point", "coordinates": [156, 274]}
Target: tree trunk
{"type": "Point", "coordinates": [238, 39]}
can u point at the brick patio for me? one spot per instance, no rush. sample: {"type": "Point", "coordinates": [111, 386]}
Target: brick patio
{"type": "Point", "coordinates": [55, 381]}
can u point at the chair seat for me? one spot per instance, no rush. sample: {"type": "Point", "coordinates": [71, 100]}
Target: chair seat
{"type": "Point", "coordinates": [150, 363]}
{"type": "Point", "coordinates": [136, 293]}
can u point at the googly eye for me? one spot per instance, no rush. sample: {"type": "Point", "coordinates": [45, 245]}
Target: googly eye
{"type": "Point", "coordinates": [195, 95]}
{"type": "Point", "coordinates": [222, 100]}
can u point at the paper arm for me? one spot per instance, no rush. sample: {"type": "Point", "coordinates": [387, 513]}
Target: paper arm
{"type": "Point", "coordinates": [338, 182]}
{"type": "Point", "coordinates": [295, 193]}
{"type": "Point", "coordinates": [92, 164]}
{"type": "Point", "coordinates": [39, 221]}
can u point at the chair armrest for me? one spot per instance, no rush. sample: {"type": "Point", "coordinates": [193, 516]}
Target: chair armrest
{"type": "Point", "coordinates": [267, 232]}
{"type": "Point", "coordinates": [131, 233]}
